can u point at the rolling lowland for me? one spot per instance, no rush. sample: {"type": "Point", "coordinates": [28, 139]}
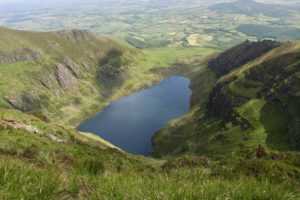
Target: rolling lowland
{"type": "Point", "coordinates": [240, 139]}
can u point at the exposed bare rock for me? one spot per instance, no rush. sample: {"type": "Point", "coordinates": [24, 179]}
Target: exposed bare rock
{"type": "Point", "coordinates": [31, 129]}
{"type": "Point", "coordinates": [74, 35]}
{"type": "Point", "coordinates": [19, 125]}
{"type": "Point", "coordinates": [15, 103]}
{"type": "Point", "coordinates": [26, 54]}
{"type": "Point", "coordinates": [73, 67]}
{"type": "Point", "coordinates": [65, 78]}
{"type": "Point", "coordinates": [24, 102]}
{"type": "Point", "coordinates": [57, 139]}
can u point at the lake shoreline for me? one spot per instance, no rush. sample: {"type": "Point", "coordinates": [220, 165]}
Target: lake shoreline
{"type": "Point", "coordinates": [137, 113]}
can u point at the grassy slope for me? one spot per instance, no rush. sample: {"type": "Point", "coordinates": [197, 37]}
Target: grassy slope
{"type": "Point", "coordinates": [24, 77]}
{"type": "Point", "coordinates": [34, 166]}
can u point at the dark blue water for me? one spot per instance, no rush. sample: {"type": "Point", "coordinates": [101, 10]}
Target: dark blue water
{"type": "Point", "coordinates": [130, 122]}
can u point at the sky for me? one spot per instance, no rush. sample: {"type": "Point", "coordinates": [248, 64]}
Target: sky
{"type": "Point", "coordinates": [57, 3]}
{"type": "Point", "coordinates": [38, 2]}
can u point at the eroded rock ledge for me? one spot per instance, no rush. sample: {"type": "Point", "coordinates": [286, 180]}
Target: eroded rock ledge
{"type": "Point", "coordinates": [26, 54]}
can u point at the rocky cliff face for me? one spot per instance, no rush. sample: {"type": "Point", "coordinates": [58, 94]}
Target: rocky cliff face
{"type": "Point", "coordinates": [281, 83]}
{"type": "Point", "coordinates": [239, 55]}
{"type": "Point", "coordinates": [276, 81]}
{"type": "Point", "coordinates": [222, 104]}
{"type": "Point", "coordinates": [255, 100]}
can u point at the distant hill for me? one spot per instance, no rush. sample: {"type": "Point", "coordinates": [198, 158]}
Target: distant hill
{"type": "Point", "coordinates": [251, 7]}
{"type": "Point", "coordinates": [271, 32]}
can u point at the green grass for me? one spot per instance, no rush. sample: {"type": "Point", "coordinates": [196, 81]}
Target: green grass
{"type": "Point", "coordinates": [165, 57]}
{"type": "Point", "coordinates": [244, 88]}
{"type": "Point", "coordinates": [19, 181]}
{"type": "Point", "coordinates": [33, 166]}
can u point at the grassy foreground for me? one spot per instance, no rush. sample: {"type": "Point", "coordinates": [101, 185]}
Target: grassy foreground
{"type": "Point", "coordinates": [41, 160]}
{"type": "Point", "coordinates": [20, 181]}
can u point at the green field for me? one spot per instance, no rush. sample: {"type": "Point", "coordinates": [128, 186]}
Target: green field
{"type": "Point", "coordinates": [145, 25]}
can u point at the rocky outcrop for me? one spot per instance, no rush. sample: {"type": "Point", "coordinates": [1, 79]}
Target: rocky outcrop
{"type": "Point", "coordinates": [24, 102]}
{"type": "Point", "coordinates": [18, 125]}
{"type": "Point", "coordinates": [65, 74]}
{"type": "Point", "coordinates": [65, 78]}
{"type": "Point", "coordinates": [26, 54]}
{"type": "Point", "coordinates": [74, 35]}
{"type": "Point", "coordinates": [73, 67]}
{"type": "Point", "coordinates": [29, 128]}
{"type": "Point", "coordinates": [57, 139]}
{"type": "Point", "coordinates": [15, 103]}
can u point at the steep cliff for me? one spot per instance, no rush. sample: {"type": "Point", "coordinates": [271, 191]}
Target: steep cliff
{"type": "Point", "coordinates": [255, 100]}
